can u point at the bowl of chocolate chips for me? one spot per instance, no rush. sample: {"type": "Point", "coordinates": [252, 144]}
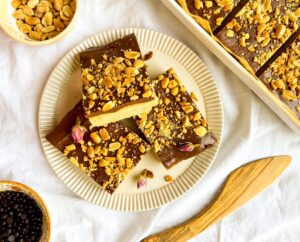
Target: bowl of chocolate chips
{"type": "Point", "coordinates": [24, 216]}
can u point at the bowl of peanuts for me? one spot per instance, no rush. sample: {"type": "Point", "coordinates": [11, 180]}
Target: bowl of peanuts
{"type": "Point", "coordinates": [38, 22]}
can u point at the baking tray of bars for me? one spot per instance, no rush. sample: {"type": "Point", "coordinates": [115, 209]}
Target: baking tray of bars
{"type": "Point", "coordinates": [281, 107]}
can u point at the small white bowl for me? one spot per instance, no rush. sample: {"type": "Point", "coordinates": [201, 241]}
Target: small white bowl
{"type": "Point", "coordinates": [8, 24]}
{"type": "Point", "coordinates": [18, 187]}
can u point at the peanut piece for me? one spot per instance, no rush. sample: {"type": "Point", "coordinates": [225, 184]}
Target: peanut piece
{"type": "Point", "coordinates": [74, 161]}
{"type": "Point", "coordinates": [174, 91]}
{"type": "Point", "coordinates": [188, 109]}
{"type": "Point", "coordinates": [208, 4]}
{"type": "Point", "coordinates": [95, 137]}
{"type": "Point", "coordinates": [108, 171]}
{"type": "Point", "coordinates": [289, 95]}
{"type": "Point", "coordinates": [32, 3]}
{"type": "Point", "coordinates": [131, 71]}
{"type": "Point", "coordinates": [109, 105]}
{"type": "Point", "coordinates": [32, 20]}
{"type": "Point", "coordinates": [114, 146]}
{"type": "Point", "coordinates": [229, 33]}
{"type": "Point", "coordinates": [28, 11]}
{"type": "Point", "coordinates": [103, 163]}
{"type": "Point", "coordinates": [104, 134]}
{"type": "Point", "coordinates": [147, 94]}
{"type": "Point", "coordinates": [142, 149]}
{"type": "Point", "coordinates": [91, 152]}
{"type": "Point", "coordinates": [16, 3]}
{"type": "Point", "coordinates": [168, 178]}
{"type": "Point", "coordinates": [58, 4]}
{"type": "Point", "coordinates": [200, 131]}
{"type": "Point", "coordinates": [48, 29]}
{"type": "Point", "coordinates": [129, 163]}
{"type": "Point", "coordinates": [42, 7]}
{"type": "Point", "coordinates": [48, 19]}
{"type": "Point", "coordinates": [280, 30]}
{"type": "Point", "coordinates": [70, 147]}
{"type": "Point", "coordinates": [156, 146]}
{"type": "Point", "coordinates": [138, 64]}
{"type": "Point", "coordinates": [198, 4]}
{"type": "Point", "coordinates": [166, 101]}
{"type": "Point", "coordinates": [172, 84]}
{"type": "Point", "coordinates": [58, 23]}
{"type": "Point", "coordinates": [35, 35]}
{"type": "Point", "coordinates": [165, 83]}
{"type": "Point", "coordinates": [19, 14]}
{"type": "Point", "coordinates": [194, 97]}
{"type": "Point", "coordinates": [25, 28]}
{"type": "Point", "coordinates": [68, 11]}
{"type": "Point", "coordinates": [132, 54]}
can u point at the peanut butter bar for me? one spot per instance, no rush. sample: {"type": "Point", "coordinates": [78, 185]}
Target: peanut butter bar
{"type": "Point", "coordinates": [106, 154]}
{"type": "Point", "coordinates": [175, 127]}
{"type": "Point", "coordinates": [210, 14]}
{"type": "Point", "coordinates": [115, 82]}
{"type": "Point", "coordinates": [283, 77]}
{"type": "Point", "coordinates": [259, 29]}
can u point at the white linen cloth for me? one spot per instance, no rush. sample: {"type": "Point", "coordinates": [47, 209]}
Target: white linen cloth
{"type": "Point", "coordinates": [251, 131]}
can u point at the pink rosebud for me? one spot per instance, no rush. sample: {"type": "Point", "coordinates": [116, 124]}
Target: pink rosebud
{"type": "Point", "coordinates": [186, 147]}
{"type": "Point", "coordinates": [141, 182]}
{"type": "Point", "coordinates": [77, 133]}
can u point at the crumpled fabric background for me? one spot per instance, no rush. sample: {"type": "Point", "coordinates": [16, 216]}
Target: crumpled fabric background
{"type": "Point", "coordinates": [251, 131]}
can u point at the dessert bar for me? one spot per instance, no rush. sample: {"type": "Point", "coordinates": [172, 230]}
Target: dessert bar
{"type": "Point", "coordinates": [115, 82]}
{"type": "Point", "coordinates": [283, 75]}
{"type": "Point", "coordinates": [259, 29]}
{"type": "Point", "coordinates": [175, 127]}
{"type": "Point", "coordinates": [210, 14]}
{"type": "Point", "coordinates": [106, 154]}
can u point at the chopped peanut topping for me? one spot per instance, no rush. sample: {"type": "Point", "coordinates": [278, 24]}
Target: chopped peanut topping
{"type": "Point", "coordinates": [283, 76]}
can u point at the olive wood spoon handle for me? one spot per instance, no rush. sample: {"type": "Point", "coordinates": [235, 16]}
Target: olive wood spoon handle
{"type": "Point", "coordinates": [241, 185]}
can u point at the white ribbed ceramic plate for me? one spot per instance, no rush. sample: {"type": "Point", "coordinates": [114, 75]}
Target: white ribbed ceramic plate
{"type": "Point", "coordinates": [63, 90]}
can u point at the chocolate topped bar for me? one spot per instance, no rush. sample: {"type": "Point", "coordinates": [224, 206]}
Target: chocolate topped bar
{"type": "Point", "coordinates": [175, 128]}
{"type": "Point", "coordinates": [115, 82]}
{"type": "Point", "coordinates": [106, 154]}
{"type": "Point", "coordinates": [259, 29]}
{"type": "Point", "coordinates": [209, 14]}
{"type": "Point", "coordinates": [283, 77]}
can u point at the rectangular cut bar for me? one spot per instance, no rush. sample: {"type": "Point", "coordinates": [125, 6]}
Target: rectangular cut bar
{"type": "Point", "coordinates": [259, 29]}
{"type": "Point", "coordinates": [209, 14]}
{"type": "Point", "coordinates": [106, 154]}
{"type": "Point", "coordinates": [115, 82]}
{"type": "Point", "coordinates": [283, 77]}
{"type": "Point", "coordinates": [175, 128]}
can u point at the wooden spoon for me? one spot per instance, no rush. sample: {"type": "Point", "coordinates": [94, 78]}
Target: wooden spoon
{"type": "Point", "coordinates": [242, 185]}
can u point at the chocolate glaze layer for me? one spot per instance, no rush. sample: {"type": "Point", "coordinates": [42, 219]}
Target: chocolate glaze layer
{"type": "Point", "coordinates": [61, 137]}
{"type": "Point", "coordinates": [262, 52]}
{"type": "Point", "coordinates": [213, 13]}
{"type": "Point", "coordinates": [103, 55]}
{"type": "Point", "coordinates": [115, 48]}
{"type": "Point", "coordinates": [290, 40]}
{"type": "Point", "coordinates": [283, 75]}
{"type": "Point", "coordinates": [164, 128]}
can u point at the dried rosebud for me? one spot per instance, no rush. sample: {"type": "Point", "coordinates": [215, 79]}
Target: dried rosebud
{"type": "Point", "coordinates": [77, 133]}
{"type": "Point", "coordinates": [186, 147]}
{"type": "Point", "coordinates": [141, 182]}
